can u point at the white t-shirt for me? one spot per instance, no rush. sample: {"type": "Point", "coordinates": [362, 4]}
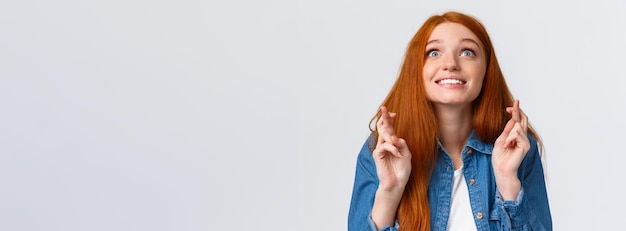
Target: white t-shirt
{"type": "Point", "coordinates": [461, 216]}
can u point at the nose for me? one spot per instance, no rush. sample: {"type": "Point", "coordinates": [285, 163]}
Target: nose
{"type": "Point", "coordinates": [450, 63]}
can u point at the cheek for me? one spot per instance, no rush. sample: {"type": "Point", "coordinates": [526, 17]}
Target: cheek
{"type": "Point", "coordinates": [479, 72]}
{"type": "Point", "coordinates": [478, 86]}
{"type": "Point", "coordinates": [428, 73]}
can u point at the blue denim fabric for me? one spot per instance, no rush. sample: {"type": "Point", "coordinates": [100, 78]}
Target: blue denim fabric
{"type": "Point", "coordinates": [530, 211]}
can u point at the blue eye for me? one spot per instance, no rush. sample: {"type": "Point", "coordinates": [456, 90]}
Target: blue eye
{"type": "Point", "coordinates": [468, 53]}
{"type": "Point", "coordinates": [434, 53]}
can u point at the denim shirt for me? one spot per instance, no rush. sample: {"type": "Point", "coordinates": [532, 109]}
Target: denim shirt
{"type": "Point", "coordinates": [530, 211]}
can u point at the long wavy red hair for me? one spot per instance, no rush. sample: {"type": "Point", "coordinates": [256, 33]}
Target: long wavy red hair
{"type": "Point", "coordinates": [416, 121]}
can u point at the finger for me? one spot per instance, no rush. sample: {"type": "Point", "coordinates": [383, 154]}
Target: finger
{"type": "Point", "coordinates": [379, 129]}
{"type": "Point", "coordinates": [403, 148]}
{"type": "Point", "coordinates": [384, 126]}
{"type": "Point", "coordinates": [524, 121]}
{"type": "Point", "coordinates": [391, 130]}
{"type": "Point", "coordinates": [525, 143]}
{"type": "Point", "coordinates": [380, 124]}
{"type": "Point", "coordinates": [384, 112]}
{"type": "Point", "coordinates": [387, 124]}
{"type": "Point", "coordinates": [515, 111]}
{"type": "Point", "coordinates": [514, 136]}
{"type": "Point", "coordinates": [388, 148]}
{"type": "Point", "coordinates": [522, 116]}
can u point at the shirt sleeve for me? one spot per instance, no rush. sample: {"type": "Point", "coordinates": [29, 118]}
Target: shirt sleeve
{"type": "Point", "coordinates": [386, 228]}
{"type": "Point", "coordinates": [530, 210]}
{"type": "Point", "coordinates": [363, 192]}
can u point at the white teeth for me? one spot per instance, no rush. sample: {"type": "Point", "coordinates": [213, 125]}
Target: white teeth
{"type": "Point", "coordinates": [451, 81]}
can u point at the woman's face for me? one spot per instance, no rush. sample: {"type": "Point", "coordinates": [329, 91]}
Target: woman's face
{"type": "Point", "coordinates": [455, 65]}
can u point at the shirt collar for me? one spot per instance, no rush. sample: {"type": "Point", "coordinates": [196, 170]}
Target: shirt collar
{"type": "Point", "coordinates": [474, 143]}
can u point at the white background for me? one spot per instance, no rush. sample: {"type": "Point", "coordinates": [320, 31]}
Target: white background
{"type": "Point", "coordinates": [249, 115]}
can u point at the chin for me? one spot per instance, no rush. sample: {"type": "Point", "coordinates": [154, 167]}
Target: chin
{"type": "Point", "coordinates": [454, 100]}
{"type": "Point", "coordinates": [451, 102]}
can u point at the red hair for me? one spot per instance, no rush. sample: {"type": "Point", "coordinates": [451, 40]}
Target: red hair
{"type": "Point", "coordinates": [416, 122]}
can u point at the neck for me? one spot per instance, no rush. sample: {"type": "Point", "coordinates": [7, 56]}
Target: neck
{"type": "Point", "coordinates": [455, 126]}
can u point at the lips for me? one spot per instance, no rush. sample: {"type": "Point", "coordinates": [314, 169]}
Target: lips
{"type": "Point", "coordinates": [451, 81]}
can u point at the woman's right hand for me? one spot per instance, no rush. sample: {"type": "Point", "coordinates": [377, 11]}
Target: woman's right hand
{"type": "Point", "coordinates": [391, 155]}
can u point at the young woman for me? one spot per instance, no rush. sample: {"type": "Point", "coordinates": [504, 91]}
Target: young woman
{"type": "Point", "coordinates": [451, 149]}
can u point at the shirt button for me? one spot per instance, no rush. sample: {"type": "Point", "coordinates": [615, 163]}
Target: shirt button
{"type": "Point", "coordinates": [472, 181]}
{"type": "Point", "coordinates": [469, 151]}
{"type": "Point", "coordinates": [479, 215]}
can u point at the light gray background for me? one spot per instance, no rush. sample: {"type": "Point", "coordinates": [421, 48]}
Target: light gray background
{"type": "Point", "coordinates": [248, 115]}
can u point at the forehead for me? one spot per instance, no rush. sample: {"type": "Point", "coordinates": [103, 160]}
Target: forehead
{"type": "Point", "coordinates": [449, 31]}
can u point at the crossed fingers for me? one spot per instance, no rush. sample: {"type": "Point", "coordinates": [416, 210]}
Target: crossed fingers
{"type": "Point", "coordinates": [518, 115]}
{"type": "Point", "coordinates": [387, 138]}
{"type": "Point", "coordinates": [518, 124]}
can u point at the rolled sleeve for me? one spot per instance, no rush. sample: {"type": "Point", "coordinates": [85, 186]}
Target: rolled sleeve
{"type": "Point", "coordinates": [372, 226]}
{"type": "Point", "coordinates": [513, 214]}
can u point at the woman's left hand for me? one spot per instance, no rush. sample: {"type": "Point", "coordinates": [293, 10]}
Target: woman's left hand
{"type": "Point", "coordinates": [509, 150]}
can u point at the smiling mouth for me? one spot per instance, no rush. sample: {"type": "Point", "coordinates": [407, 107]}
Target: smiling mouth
{"type": "Point", "coordinates": [451, 81]}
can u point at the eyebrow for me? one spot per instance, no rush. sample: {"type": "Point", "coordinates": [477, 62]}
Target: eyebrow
{"type": "Point", "coordinates": [472, 41]}
{"type": "Point", "coordinates": [462, 40]}
{"type": "Point", "coordinates": [433, 41]}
